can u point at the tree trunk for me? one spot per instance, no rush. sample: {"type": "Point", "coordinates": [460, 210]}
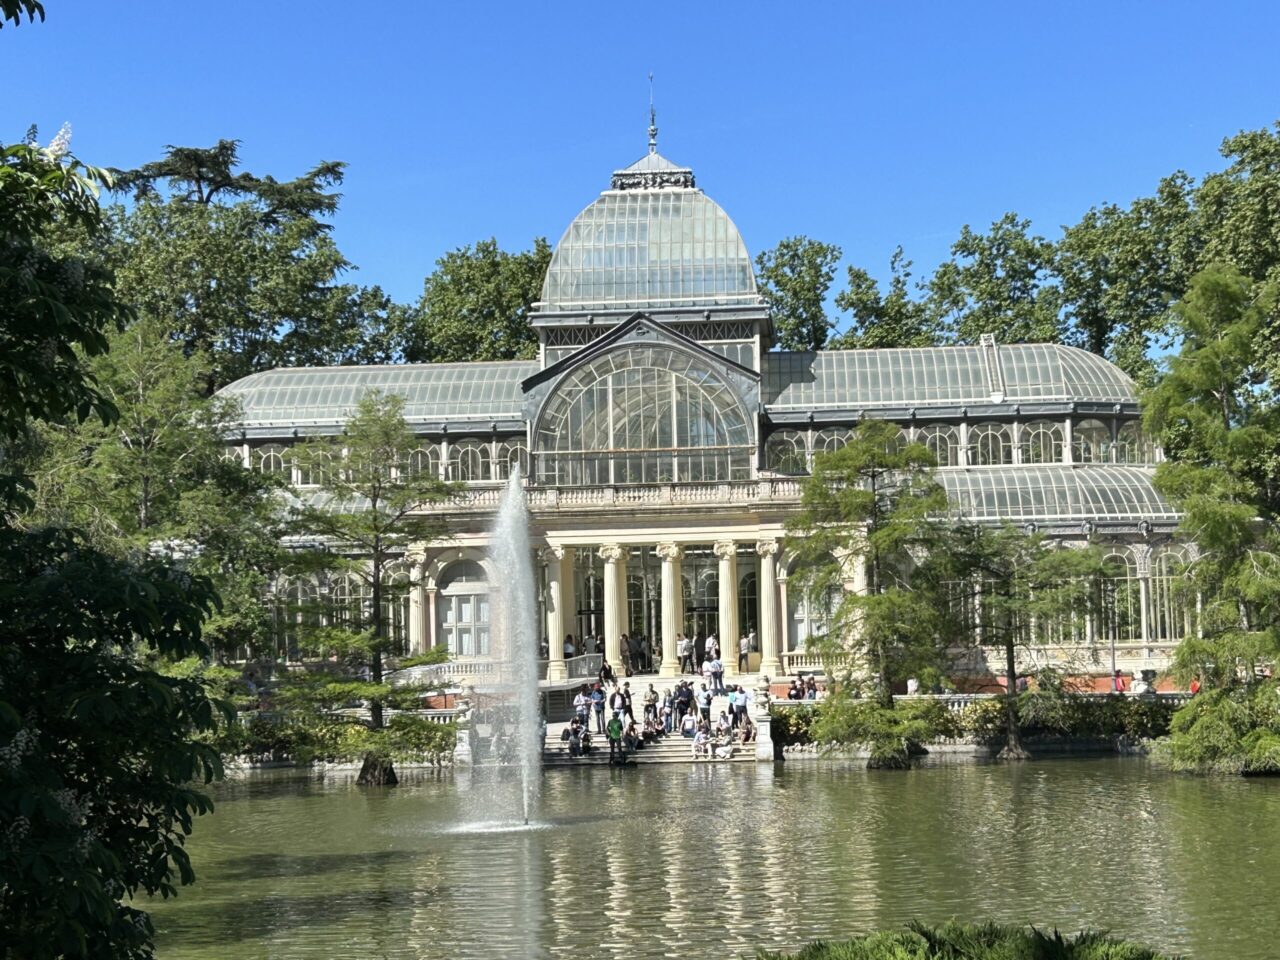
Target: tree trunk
{"type": "Point", "coordinates": [1013, 749]}
{"type": "Point", "coordinates": [377, 772]}
{"type": "Point", "coordinates": [375, 661]}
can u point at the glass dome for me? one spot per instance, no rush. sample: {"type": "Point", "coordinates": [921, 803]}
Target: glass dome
{"type": "Point", "coordinates": [650, 242]}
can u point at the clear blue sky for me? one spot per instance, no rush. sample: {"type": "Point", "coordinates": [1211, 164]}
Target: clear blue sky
{"type": "Point", "coordinates": [866, 125]}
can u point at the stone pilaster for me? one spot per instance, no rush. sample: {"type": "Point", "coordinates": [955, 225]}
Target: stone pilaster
{"type": "Point", "coordinates": [614, 557]}
{"type": "Point", "coordinates": [770, 659]}
{"type": "Point", "coordinates": [672, 606]}
{"type": "Point", "coordinates": [726, 552]}
{"type": "Point", "coordinates": [551, 558]}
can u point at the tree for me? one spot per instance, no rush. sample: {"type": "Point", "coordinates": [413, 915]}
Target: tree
{"type": "Point", "coordinates": [243, 268]}
{"type": "Point", "coordinates": [892, 320]}
{"type": "Point", "coordinates": [476, 305]}
{"type": "Point", "coordinates": [159, 475]}
{"type": "Point", "coordinates": [1215, 410]}
{"type": "Point", "coordinates": [867, 537]}
{"type": "Point", "coordinates": [1022, 590]}
{"type": "Point", "coordinates": [367, 513]}
{"type": "Point", "coordinates": [793, 278]}
{"type": "Point", "coordinates": [1121, 269]}
{"type": "Point", "coordinates": [1000, 283]}
{"type": "Point", "coordinates": [12, 11]}
{"type": "Point", "coordinates": [99, 755]}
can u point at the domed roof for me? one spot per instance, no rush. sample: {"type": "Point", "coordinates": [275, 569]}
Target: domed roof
{"type": "Point", "coordinates": [652, 240]}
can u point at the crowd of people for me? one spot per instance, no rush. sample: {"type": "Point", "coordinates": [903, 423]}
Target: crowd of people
{"type": "Point", "coordinates": [607, 708]}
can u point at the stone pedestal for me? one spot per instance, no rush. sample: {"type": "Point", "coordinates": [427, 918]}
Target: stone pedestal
{"type": "Point", "coordinates": [763, 722]}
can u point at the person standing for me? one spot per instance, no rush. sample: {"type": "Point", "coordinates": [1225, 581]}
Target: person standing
{"type": "Point", "coordinates": [626, 702]}
{"type": "Point", "coordinates": [704, 704]}
{"type": "Point", "coordinates": [682, 651]}
{"type": "Point", "coordinates": [717, 674]}
{"type": "Point", "coordinates": [650, 704]}
{"type": "Point", "coordinates": [614, 732]}
{"type": "Point", "coordinates": [705, 670]}
{"type": "Point", "coordinates": [597, 707]}
{"type": "Point", "coordinates": [744, 652]}
{"type": "Point", "coordinates": [580, 704]}
{"type": "Point", "coordinates": [699, 647]}
{"type": "Point", "coordinates": [733, 707]}
{"type": "Point", "coordinates": [743, 701]}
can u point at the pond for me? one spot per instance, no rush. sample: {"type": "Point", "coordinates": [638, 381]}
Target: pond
{"type": "Point", "coordinates": [712, 861]}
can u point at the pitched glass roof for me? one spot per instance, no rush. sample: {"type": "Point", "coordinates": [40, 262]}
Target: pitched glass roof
{"type": "Point", "coordinates": [856, 379]}
{"type": "Point", "coordinates": [308, 396]}
{"type": "Point", "coordinates": [644, 248]}
{"type": "Point", "coordinates": [1056, 492]}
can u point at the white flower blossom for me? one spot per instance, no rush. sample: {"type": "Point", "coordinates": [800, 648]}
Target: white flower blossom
{"type": "Point", "coordinates": [60, 144]}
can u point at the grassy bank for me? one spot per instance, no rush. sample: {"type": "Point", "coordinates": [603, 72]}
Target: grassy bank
{"type": "Point", "coordinates": [962, 941]}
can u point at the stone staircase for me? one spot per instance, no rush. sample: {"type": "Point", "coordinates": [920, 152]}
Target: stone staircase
{"type": "Point", "coordinates": [672, 748]}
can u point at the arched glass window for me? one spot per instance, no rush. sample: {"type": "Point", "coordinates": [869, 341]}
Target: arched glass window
{"type": "Point", "coordinates": [831, 439]}
{"type": "Point", "coordinates": [990, 445]}
{"type": "Point", "coordinates": [1132, 445]}
{"type": "Point", "coordinates": [943, 442]}
{"type": "Point", "coordinates": [1172, 613]}
{"type": "Point", "coordinates": [1041, 442]}
{"type": "Point", "coordinates": [395, 608]}
{"type": "Point", "coordinates": [462, 609]}
{"type": "Point", "coordinates": [643, 415]}
{"type": "Point", "coordinates": [1121, 600]}
{"type": "Point", "coordinates": [1090, 442]}
{"type": "Point", "coordinates": [232, 455]}
{"type": "Point", "coordinates": [423, 460]}
{"type": "Point", "coordinates": [469, 461]}
{"type": "Point", "coordinates": [347, 602]}
{"type": "Point", "coordinates": [511, 454]}
{"type": "Point", "coordinates": [316, 472]}
{"type": "Point", "coordinates": [296, 605]}
{"type": "Point", "coordinates": [269, 459]}
{"type": "Point", "coordinates": [810, 615]}
{"type": "Point", "coordinates": [785, 452]}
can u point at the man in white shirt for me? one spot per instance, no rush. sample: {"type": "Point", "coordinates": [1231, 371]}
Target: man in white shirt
{"type": "Point", "coordinates": [744, 648]}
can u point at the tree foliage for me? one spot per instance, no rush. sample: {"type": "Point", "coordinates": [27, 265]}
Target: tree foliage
{"type": "Point", "coordinates": [476, 305]}
{"type": "Point", "coordinates": [872, 505]}
{"type": "Point", "coordinates": [895, 319]}
{"type": "Point", "coordinates": [365, 513]}
{"type": "Point", "coordinates": [794, 278]}
{"type": "Point", "coordinates": [100, 756]}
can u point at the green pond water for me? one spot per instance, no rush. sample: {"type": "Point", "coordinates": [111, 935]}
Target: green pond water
{"type": "Point", "coordinates": [711, 861]}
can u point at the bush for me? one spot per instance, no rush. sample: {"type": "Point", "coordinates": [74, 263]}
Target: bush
{"type": "Point", "coordinates": [987, 941]}
{"type": "Point", "coordinates": [1227, 731]}
{"type": "Point", "coordinates": [302, 739]}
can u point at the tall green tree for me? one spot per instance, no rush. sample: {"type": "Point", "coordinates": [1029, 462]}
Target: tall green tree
{"type": "Point", "coordinates": [794, 278]}
{"type": "Point", "coordinates": [1002, 283]}
{"type": "Point", "coordinates": [475, 305]}
{"type": "Point", "coordinates": [11, 11]}
{"type": "Point", "coordinates": [366, 510]}
{"type": "Point", "coordinates": [1217, 416]}
{"type": "Point", "coordinates": [1023, 591]}
{"type": "Point", "coordinates": [893, 319]}
{"type": "Point", "coordinates": [243, 268]}
{"type": "Point", "coordinates": [868, 540]}
{"type": "Point", "coordinates": [99, 755]}
{"type": "Point", "coordinates": [1122, 268]}
{"type": "Point", "coordinates": [158, 474]}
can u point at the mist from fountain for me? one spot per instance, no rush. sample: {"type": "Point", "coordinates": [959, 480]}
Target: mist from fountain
{"type": "Point", "coordinates": [515, 636]}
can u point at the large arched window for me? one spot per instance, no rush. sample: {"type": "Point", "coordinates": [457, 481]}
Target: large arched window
{"type": "Point", "coordinates": [831, 439]}
{"type": "Point", "coordinates": [423, 460]}
{"type": "Point", "coordinates": [643, 415]}
{"type": "Point", "coordinates": [270, 459]}
{"type": "Point", "coordinates": [462, 609]}
{"type": "Point", "coordinates": [785, 452]}
{"type": "Point", "coordinates": [1090, 442]}
{"type": "Point", "coordinates": [943, 442]}
{"type": "Point", "coordinates": [469, 460]}
{"type": "Point", "coordinates": [990, 445]}
{"type": "Point", "coordinates": [1121, 600]}
{"type": "Point", "coordinates": [1132, 445]}
{"type": "Point", "coordinates": [511, 454]}
{"type": "Point", "coordinates": [1041, 442]}
{"type": "Point", "coordinates": [395, 608]}
{"type": "Point", "coordinates": [1172, 613]}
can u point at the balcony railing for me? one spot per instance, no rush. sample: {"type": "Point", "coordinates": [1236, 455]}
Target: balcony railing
{"type": "Point", "coordinates": [552, 499]}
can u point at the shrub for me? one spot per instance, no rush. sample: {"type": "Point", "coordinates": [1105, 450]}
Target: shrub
{"type": "Point", "coordinates": [1227, 731]}
{"type": "Point", "coordinates": [986, 941]}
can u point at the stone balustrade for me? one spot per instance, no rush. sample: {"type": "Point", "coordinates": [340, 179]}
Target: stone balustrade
{"type": "Point", "coordinates": [485, 499]}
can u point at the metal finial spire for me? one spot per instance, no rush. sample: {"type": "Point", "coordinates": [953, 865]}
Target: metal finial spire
{"type": "Point", "coordinates": [653, 119]}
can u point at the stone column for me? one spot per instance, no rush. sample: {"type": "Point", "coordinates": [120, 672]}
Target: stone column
{"type": "Point", "coordinates": [613, 556]}
{"type": "Point", "coordinates": [727, 552]}
{"type": "Point", "coordinates": [1144, 595]}
{"type": "Point", "coordinates": [672, 606]}
{"type": "Point", "coordinates": [770, 662]}
{"type": "Point", "coordinates": [417, 625]}
{"type": "Point", "coordinates": [784, 618]}
{"type": "Point", "coordinates": [432, 637]}
{"type": "Point", "coordinates": [551, 558]}
{"type": "Point", "coordinates": [569, 591]}
{"type": "Point", "coordinates": [1068, 441]}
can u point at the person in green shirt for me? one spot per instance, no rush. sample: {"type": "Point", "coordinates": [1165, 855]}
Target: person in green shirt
{"type": "Point", "coordinates": [614, 731]}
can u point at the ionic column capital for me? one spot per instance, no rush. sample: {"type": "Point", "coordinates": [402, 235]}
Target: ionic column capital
{"type": "Point", "coordinates": [767, 548]}
{"type": "Point", "coordinates": [724, 549]}
{"type": "Point", "coordinates": [669, 552]}
{"type": "Point", "coordinates": [612, 552]}
{"type": "Point", "coordinates": [551, 554]}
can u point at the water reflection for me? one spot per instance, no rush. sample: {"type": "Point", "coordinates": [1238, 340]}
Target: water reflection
{"type": "Point", "coordinates": [713, 861]}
